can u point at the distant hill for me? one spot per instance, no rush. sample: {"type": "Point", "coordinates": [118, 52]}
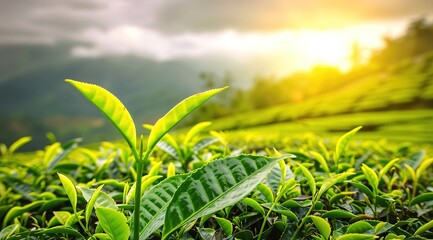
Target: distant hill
{"type": "Point", "coordinates": [394, 102]}
{"type": "Point", "coordinates": [34, 98]}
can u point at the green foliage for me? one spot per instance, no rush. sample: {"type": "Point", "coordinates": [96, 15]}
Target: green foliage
{"type": "Point", "coordinates": [380, 190]}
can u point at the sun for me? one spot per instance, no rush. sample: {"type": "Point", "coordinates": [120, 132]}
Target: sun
{"type": "Point", "coordinates": [325, 48]}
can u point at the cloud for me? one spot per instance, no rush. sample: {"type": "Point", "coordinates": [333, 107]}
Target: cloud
{"type": "Point", "coordinates": [53, 20]}
{"type": "Point", "coordinates": [135, 40]}
{"type": "Point", "coordinates": [170, 29]}
{"type": "Point", "coordinates": [258, 15]}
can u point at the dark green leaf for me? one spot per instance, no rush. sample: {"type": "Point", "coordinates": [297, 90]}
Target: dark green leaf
{"type": "Point", "coordinates": [154, 204]}
{"type": "Point", "coordinates": [219, 184]}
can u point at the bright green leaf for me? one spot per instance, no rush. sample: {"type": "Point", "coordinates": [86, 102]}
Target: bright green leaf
{"type": "Point", "coordinates": [266, 191]}
{"type": "Point", "coordinates": [425, 197]}
{"type": "Point", "coordinates": [195, 131]}
{"type": "Point", "coordinates": [176, 114]}
{"type": "Point", "coordinates": [310, 179]}
{"type": "Point", "coordinates": [424, 228]}
{"type": "Point", "coordinates": [18, 144]}
{"type": "Point", "coordinates": [70, 190]}
{"type": "Point", "coordinates": [8, 231]}
{"type": "Point", "coordinates": [322, 225]}
{"type": "Point", "coordinates": [357, 236]}
{"type": "Point", "coordinates": [331, 181]}
{"type": "Point", "coordinates": [424, 165]}
{"type": "Point", "coordinates": [321, 160]}
{"type": "Point", "coordinates": [146, 182]}
{"type": "Point", "coordinates": [343, 141]}
{"type": "Point", "coordinates": [18, 210]}
{"type": "Point", "coordinates": [171, 170]}
{"type": "Point", "coordinates": [371, 177]}
{"type": "Point", "coordinates": [62, 216]}
{"type": "Point", "coordinates": [225, 224]}
{"type": "Point", "coordinates": [111, 107]}
{"type": "Point", "coordinates": [113, 223]}
{"type": "Point", "coordinates": [254, 204]}
{"type": "Point", "coordinates": [360, 227]}
{"type": "Point", "coordinates": [91, 203]}
{"type": "Point", "coordinates": [337, 213]}
{"type": "Point", "coordinates": [103, 199]}
{"type": "Point", "coordinates": [102, 236]}
{"type": "Point", "coordinates": [388, 166]}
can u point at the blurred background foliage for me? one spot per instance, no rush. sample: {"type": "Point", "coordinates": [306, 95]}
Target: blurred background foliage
{"type": "Point", "coordinates": [398, 76]}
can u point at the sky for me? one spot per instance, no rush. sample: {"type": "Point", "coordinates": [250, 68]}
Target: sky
{"type": "Point", "coordinates": [290, 35]}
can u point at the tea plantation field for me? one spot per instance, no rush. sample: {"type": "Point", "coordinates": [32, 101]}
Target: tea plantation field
{"type": "Point", "coordinates": [267, 178]}
{"type": "Point", "coordinates": [396, 103]}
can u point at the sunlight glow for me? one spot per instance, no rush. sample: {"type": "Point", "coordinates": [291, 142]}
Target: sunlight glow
{"type": "Point", "coordinates": [294, 49]}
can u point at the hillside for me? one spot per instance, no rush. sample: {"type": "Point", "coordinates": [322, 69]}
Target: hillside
{"type": "Point", "coordinates": [34, 98]}
{"type": "Point", "coordinates": [396, 101]}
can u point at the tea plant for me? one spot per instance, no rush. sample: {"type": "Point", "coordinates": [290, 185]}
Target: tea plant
{"type": "Point", "coordinates": [309, 189]}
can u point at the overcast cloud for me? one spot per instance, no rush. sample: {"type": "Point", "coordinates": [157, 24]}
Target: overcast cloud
{"type": "Point", "coordinates": [166, 29]}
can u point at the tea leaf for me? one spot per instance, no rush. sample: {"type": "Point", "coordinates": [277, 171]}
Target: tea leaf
{"type": "Point", "coordinates": [219, 184]}
{"type": "Point", "coordinates": [225, 224]}
{"type": "Point", "coordinates": [91, 203]}
{"type": "Point", "coordinates": [388, 166]}
{"type": "Point", "coordinates": [424, 228]}
{"type": "Point", "coordinates": [113, 223]}
{"type": "Point", "coordinates": [62, 216]}
{"type": "Point", "coordinates": [360, 227]}
{"type": "Point", "coordinates": [266, 191]}
{"type": "Point", "coordinates": [176, 114]}
{"type": "Point", "coordinates": [331, 181]}
{"type": "Point", "coordinates": [322, 225]}
{"type": "Point", "coordinates": [254, 204]}
{"type": "Point", "coordinates": [8, 231]}
{"type": "Point", "coordinates": [195, 131]}
{"type": "Point", "coordinates": [171, 170]}
{"type": "Point", "coordinates": [357, 236]}
{"type": "Point", "coordinates": [103, 200]}
{"type": "Point", "coordinates": [337, 213]}
{"type": "Point", "coordinates": [340, 195]}
{"type": "Point", "coordinates": [154, 204]}
{"type": "Point", "coordinates": [19, 143]}
{"type": "Point", "coordinates": [423, 166]}
{"type": "Point", "coordinates": [102, 236]}
{"type": "Point", "coordinates": [321, 160]}
{"type": "Point", "coordinates": [18, 210]}
{"type": "Point", "coordinates": [371, 177]}
{"type": "Point", "coordinates": [310, 179]}
{"type": "Point", "coordinates": [425, 197]}
{"type": "Point", "coordinates": [146, 182]}
{"type": "Point", "coordinates": [70, 190]}
{"type": "Point", "coordinates": [343, 141]}
{"type": "Point", "coordinates": [111, 107]}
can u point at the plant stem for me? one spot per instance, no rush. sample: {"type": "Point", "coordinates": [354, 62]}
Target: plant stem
{"type": "Point", "coordinates": [137, 197]}
{"type": "Point", "coordinates": [265, 219]}
{"type": "Point", "coordinates": [302, 221]}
